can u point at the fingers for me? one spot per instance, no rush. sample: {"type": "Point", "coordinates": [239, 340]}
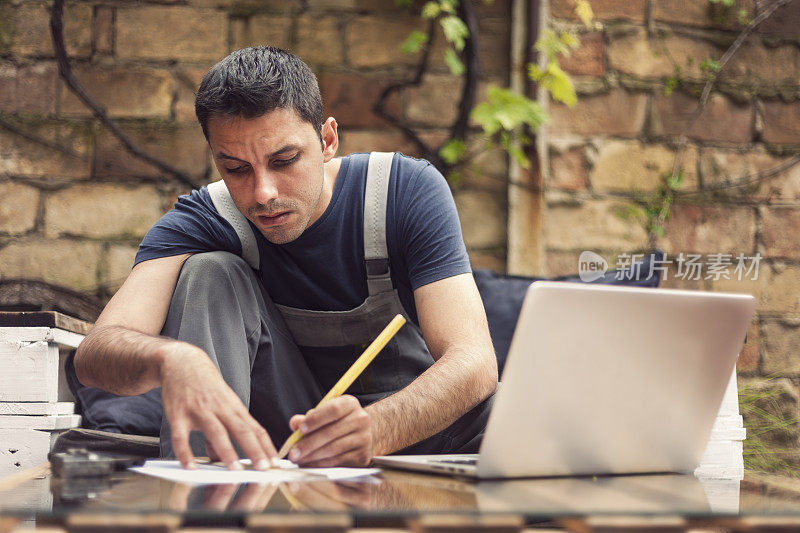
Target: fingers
{"type": "Point", "coordinates": [336, 428]}
{"type": "Point", "coordinates": [217, 435]}
{"type": "Point", "coordinates": [254, 441]}
{"type": "Point", "coordinates": [180, 444]}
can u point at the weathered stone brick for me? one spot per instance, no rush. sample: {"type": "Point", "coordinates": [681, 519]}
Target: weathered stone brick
{"type": "Point", "coordinates": [271, 30]}
{"type": "Point", "coordinates": [37, 89]}
{"type": "Point", "coordinates": [104, 29]}
{"type": "Point", "coordinates": [615, 113]}
{"type": "Point", "coordinates": [724, 168]}
{"type": "Point", "coordinates": [63, 262]}
{"type": "Point", "coordinates": [483, 218]}
{"type": "Point", "coordinates": [634, 166]}
{"type": "Point", "coordinates": [188, 81]}
{"type": "Point", "coordinates": [385, 140]}
{"type": "Point", "coordinates": [22, 157]}
{"type": "Point", "coordinates": [603, 9]}
{"type": "Point", "coordinates": [32, 30]}
{"type": "Point", "coordinates": [757, 64]}
{"type": "Point", "coordinates": [561, 263]}
{"type": "Point", "coordinates": [780, 286]}
{"type": "Point", "coordinates": [721, 120]}
{"type": "Point", "coordinates": [779, 231]}
{"type": "Point", "coordinates": [18, 207]}
{"type": "Point", "coordinates": [709, 229]}
{"type": "Point", "coordinates": [28, 89]}
{"type": "Point", "coordinates": [704, 14]}
{"type": "Point", "coordinates": [591, 225]}
{"type": "Point", "coordinates": [638, 55]}
{"type": "Point", "coordinates": [375, 42]}
{"type": "Point", "coordinates": [770, 410]}
{"type": "Point", "coordinates": [568, 168]}
{"type": "Point", "coordinates": [319, 40]}
{"type": "Point", "coordinates": [494, 45]}
{"type": "Point", "coordinates": [102, 210]}
{"type": "Point", "coordinates": [182, 146]}
{"type": "Point", "coordinates": [494, 261]}
{"type": "Point", "coordinates": [350, 97]}
{"type": "Point", "coordinates": [125, 92]}
{"type": "Point", "coordinates": [589, 58]}
{"type": "Point", "coordinates": [746, 280]}
{"type": "Point", "coordinates": [750, 354]}
{"type": "Point", "coordinates": [433, 102]}
{"type": "Point", "coordinates": [782, 122]}
{"type": "Point", "coordinates": [781, 339]}
{"type": "Point", "coordinates": [8, 87]}
{"type": "Point", "coordinates": [118, 264]}
{"type": "Point", "coordinates": [171, 32]}
{"type": "Point", "coordinates": [784, 21]}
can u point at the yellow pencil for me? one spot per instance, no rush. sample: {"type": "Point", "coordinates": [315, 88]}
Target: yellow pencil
{"type": "Point", "coordinates": [352, 373]}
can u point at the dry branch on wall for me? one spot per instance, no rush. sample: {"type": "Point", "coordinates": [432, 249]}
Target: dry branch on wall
{"type": "Point", "coordinates": [458, 130]}
{"type": "Point", "coordinates": [768, 10]}
{"type": "Point", "coordinates": [74, 85]}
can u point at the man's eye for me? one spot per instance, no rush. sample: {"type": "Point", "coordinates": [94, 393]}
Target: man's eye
{"type": "Point", "coordinates": [285, 162]}
{"type": "Point", "coordinates": [237, 170]}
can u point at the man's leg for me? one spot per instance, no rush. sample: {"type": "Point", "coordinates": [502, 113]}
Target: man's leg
{"type": "Point", "coordinates": [220, 306]}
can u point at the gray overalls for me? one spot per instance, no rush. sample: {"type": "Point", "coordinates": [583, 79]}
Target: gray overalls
{"type": "Point", "coordinates": [282, 369]}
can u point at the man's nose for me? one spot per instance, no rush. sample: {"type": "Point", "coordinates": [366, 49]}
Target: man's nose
{"type": "Point", "coordinates": [265, 187]}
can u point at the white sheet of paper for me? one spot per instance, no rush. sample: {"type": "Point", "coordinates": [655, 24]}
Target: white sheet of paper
{"type": "Point", "coordinates": [215, 475]}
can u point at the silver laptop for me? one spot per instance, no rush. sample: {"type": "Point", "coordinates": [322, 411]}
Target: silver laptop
{"type": "Point", "coordinates": [606, 380]}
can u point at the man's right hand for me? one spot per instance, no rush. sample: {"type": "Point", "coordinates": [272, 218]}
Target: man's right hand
{"type": "Point", "coordinates": [196, 397]}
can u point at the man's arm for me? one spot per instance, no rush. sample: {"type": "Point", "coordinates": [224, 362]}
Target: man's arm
{"type": "Point", "coordinates": [123, 354]}
{"type": "Point", "coordinates": [454, 326]}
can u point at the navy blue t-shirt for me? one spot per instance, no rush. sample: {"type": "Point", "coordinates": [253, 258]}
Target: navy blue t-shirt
{"type": "Point", "coordinates": [323, 269]}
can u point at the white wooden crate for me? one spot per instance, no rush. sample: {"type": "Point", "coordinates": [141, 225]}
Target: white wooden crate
{"type": "Point", "coordinates": [31, 359]}
{"type": "Point", "coordinates": [35, 402]}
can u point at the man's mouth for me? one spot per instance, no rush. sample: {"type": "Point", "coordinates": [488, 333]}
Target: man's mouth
{"type": "Point", "coordinates": [274, 220]}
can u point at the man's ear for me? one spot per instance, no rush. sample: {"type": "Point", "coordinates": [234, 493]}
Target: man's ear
{"type": "Point", "coordinates": [330, 139]}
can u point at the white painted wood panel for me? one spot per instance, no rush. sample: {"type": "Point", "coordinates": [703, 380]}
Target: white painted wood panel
{"type": "Point", "coordinates": [47, 422]}
{"type": "Point", "coordinates": [37, 408]}
{"type": "Point", "coordinates": [28, 371]}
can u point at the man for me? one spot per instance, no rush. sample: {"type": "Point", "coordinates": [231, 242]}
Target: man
{"type": "Point", "coordinates": [246, 353]}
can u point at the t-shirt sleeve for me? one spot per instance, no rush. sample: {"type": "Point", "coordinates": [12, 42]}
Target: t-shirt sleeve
{"type": "Point", "coordinates": [430, 232]}
{"type": "Point", "coordinates": [193, 225]}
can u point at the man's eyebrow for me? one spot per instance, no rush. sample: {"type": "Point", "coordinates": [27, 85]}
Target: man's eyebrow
{"type": "Point", "coordinates": [279, 151]}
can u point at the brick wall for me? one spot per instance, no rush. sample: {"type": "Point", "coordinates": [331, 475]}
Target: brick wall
{"type": "Point", "coordinates": [620, 138]}
{"type": "Point", "coordinates": [75, 217]}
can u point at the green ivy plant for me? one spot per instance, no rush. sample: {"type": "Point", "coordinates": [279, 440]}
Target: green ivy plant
{"type": "Point", "coordinates": [505, 116]}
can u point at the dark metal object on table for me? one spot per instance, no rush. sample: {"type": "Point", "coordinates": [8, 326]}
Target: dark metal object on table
{"type": "Point", "coordinates": [81, 463]}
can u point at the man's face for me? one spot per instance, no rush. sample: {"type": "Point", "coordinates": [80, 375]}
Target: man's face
{"type": "Point", "coordinates": [273, 167]}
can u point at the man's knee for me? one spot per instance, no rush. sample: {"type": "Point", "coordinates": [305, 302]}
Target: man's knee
{"type": "Point", "coordinates": [212, 271]}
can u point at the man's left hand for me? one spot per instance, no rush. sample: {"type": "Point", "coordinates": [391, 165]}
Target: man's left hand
{"type": "Point", "coordinates": [337, 433]}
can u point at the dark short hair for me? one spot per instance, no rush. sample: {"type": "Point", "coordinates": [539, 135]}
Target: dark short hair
{"type": "Point", "coordinates": [254, 81]}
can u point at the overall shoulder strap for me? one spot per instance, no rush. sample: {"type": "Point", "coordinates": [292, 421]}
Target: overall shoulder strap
{"type": "Point", "coordinates": [376, 254]}
{"type": "Point", "coordinates": [222, 200]}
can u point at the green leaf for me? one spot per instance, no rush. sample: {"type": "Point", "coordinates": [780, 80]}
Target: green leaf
{"type": "Point", "coordinates": [430, 10]}
{"type": "Point", "coordinates": [455, 31]}
{"type": "Point", "coordinates": [552, 44]}
{"type": "Point", "coordinates": [584, 11]}
{"type": "Point", "coordinates": [452, 151]}
{"type": "Point", "coordinates": [453, 62]}
{"type": "Point", "coordinates": [674, 181]}
{"type": "Point", "coordinates": [711, 65]}
{"type": "Point", "coordinates": [414, 42]}
{"type": "Point", "coordinates": [670, 85]}
{"type": "Point", "coordinates": [556, 81]}
{"type": "Point", "coordinates": [505, 110]}
{"type": "Point", "coordinates": [448, 6]}
{"type": "Point", "coordinates": [569, 40]}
